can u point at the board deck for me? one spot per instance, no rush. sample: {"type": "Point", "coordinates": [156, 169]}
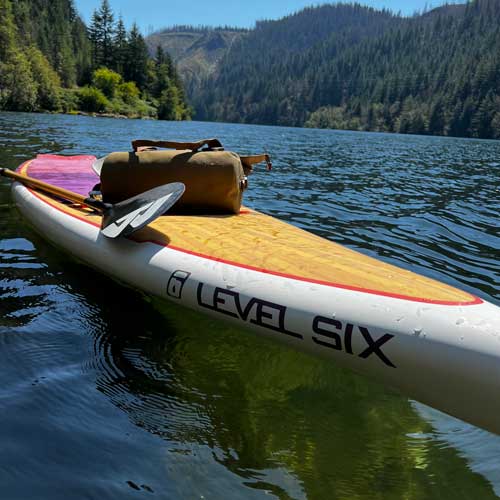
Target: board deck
{"type": "Point", "coordinates": [254, 241]}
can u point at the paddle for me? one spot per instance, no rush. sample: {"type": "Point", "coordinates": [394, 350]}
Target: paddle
{"type": "Point", "coordinates": [97, 165]}
{"type": "Point", "coordinates": [122, 218]}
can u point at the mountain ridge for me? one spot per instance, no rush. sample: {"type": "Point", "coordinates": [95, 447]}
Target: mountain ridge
{"type": "Point", "coordinates": [352, 67]}
{"type": "Point", "coordinates": [197, 52]}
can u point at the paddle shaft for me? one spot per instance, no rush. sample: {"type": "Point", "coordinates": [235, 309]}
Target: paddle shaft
{"type": "Point", "coordinates": [48, 188]}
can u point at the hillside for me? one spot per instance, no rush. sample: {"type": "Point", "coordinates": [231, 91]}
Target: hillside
{"type": "Point", "coordinates": [352, 67]}
{"type": "Point", "coordinates": [51, 61]}
{"type": "Point", "coordinates": [267, 77]}
{"type": "Point", "coordinates": [196, 51]}
{"type": "Point", "coordinates": [55, 28]}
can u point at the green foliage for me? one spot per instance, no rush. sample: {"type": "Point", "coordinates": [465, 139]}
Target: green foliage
{"type": "Point", "coordinates": [171, 105]}
{"type": "Point", "coordinates": [136, 65]}
{"type": "Point", "coordinates": [101, 34]}
{"type": "Point", "coordinates": [45, 45]}
{"type": "Point", "coordinates": [136, 109]}
{"type": "Point", "coordinates": [157, 80]}
{"type": "Point", "coordinates": [18, 90]}
{"type": "Point", "coordinates": [120, 47]}
{"type": "Point", "coordinates": [107, 81]}
{"type": "Point", "coordinates": [128, 92]}
{"type": "Point", "coordinates": [328, 117]}
{"type": "Point", "coordinates": [348, 66]}
{"type": "Point", "coordinates": [165, 85]}
{"type": "Point", "coordinates": [92, 100]}
{"type": "Point", "coordinates": [56, 29]}
{"type": "Point", "coordinates": [495, 122]}
{"type": "Point", "coordinates": [48, 82]}
{"type": "Point", "coordinates": [27, 82]}
{"type": "Point", "coordinates": [168, 104]}
{"type": "Point", "coordinates": [82, 52]}
{"type": "Point", "coordinates": [15, 93]}
{"type": "Point", "coordinates": [68, 100]}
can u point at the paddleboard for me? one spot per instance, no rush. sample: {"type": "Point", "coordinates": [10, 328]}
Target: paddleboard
{"type": "Point", "coordinates": [433, 342]}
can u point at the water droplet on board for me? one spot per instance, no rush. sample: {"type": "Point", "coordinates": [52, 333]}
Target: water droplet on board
{"type": "Point", "coordinates": [417, 331]}
{"type": "Point", "coordinates": [460, 321]}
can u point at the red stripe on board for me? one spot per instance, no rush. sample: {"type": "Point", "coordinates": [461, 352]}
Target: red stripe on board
{"type": "Point", "coordinates": [475, 301]}
{"type": "Point", "coordinates": [53, 205]}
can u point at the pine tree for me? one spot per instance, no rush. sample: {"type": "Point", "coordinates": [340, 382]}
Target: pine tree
{"type": "Point", "coordinates": [18, 88]}
{"type": "Point", "coordinates": [136, 66]}
{"type": "Point", "coordinates": [44, 44]}
{"type": "Point", "coordinates": [436, 119]}
{"type": "Point", "coordinates": [108, 30]}
{"type": "Point", "coordinates": [162, 71]}
{"type": "Point", "coordinates": [160, 55]}
{"type": "Point", "coordinates": [448, 61]}
{"type": "Point", "coordinates": [95, 36]}
{"type": "Point", "coordinates": [101, 34]}
{"type": "Point", "coordinates": [120, 47]}
{"type": "Point", "coordinates": [82, 52]}
{"type": "Point", "coordinates": [482, 120]}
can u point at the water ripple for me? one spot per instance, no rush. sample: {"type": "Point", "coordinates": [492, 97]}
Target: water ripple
{"type": "Point", "coordinates": [109, 394]}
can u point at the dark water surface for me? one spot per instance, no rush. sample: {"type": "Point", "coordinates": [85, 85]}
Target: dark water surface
{"type": "Point", "coordinates": [107, 393]}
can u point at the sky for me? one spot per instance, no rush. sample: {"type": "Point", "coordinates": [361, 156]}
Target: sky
{"type": "Point", "coordinates": [152, 15]}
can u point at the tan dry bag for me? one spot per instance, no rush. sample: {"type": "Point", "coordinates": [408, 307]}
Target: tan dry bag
{"type": "Point", "coordinates": [215, 179]}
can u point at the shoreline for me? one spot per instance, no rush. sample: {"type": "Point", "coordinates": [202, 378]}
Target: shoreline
{"type": "Point", "coordinates": [150, 118]}
{"type": "Point", "coordinates": [99, 115]}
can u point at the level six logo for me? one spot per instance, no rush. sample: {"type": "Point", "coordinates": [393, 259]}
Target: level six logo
{"type": "Point", "coordinates": [326, 332]}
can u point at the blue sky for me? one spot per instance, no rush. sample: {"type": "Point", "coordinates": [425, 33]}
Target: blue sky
{"type": "Point", "coordinates": [155, 14]}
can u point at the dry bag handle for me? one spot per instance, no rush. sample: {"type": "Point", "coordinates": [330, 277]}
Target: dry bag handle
{"type": "Point", "coordinates": [249, 161]}
{"type": "Point", "coordinates": [193, 146]}
{"type": "Point", "coordinates": [212, 144]}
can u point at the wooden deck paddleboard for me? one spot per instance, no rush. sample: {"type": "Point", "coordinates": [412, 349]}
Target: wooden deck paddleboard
{"type": "Point", "coordinates": [436, 343]}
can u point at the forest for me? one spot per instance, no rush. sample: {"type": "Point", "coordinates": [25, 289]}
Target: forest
{"type": "Point", "coordinates": [342, 66]}
{"type": "Point", "coordinates": [51, 61]}
{"type": "Point", "coordinates": [346, 66]}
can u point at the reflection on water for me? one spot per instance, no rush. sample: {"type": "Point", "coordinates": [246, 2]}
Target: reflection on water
{"type": "Point", "coordinates": [110, 394]}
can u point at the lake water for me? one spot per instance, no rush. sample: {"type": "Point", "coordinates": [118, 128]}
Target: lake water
{"type": "Point", "coordinates": [106, 393]}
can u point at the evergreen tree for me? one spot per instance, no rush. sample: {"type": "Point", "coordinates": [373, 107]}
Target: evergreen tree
{"type": "Point", "coordinates": [48, 81]}
{"type": "Point", "coordinates": [19, 91]}
{"type": "Point", "coordinates": [101, 34]}
{"type": "Point", "coordinates": [65, 63]}
{"type": "Point", "coordinates": [120, 47]}
{"type": "Point", "coordinates": [483, 117]}
{"type": "Point", "coordinates": [162, 73]}
{"type": "Point", "coordinates": [348, 66]}
{"type": "Point", "coordinates": [55, 28]}
{"type": "Point", "coordinates": [108, 30]}
{"type": "Point", "coordinates": [82, 52]}
{"type": "Point", "coordinates": [136, 66]}
{"type": "Point", "coordinates": [166, 109]}
{"type": "Point", "coordinates": [95, 37]}
{"type": "Point", "coordinates": [436, 119]}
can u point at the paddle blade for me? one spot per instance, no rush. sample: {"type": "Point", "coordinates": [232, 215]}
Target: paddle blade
{"type": "Point", "coordinates": [97, 165]}
{"type": "Point", "coordinates": [130, 215]}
